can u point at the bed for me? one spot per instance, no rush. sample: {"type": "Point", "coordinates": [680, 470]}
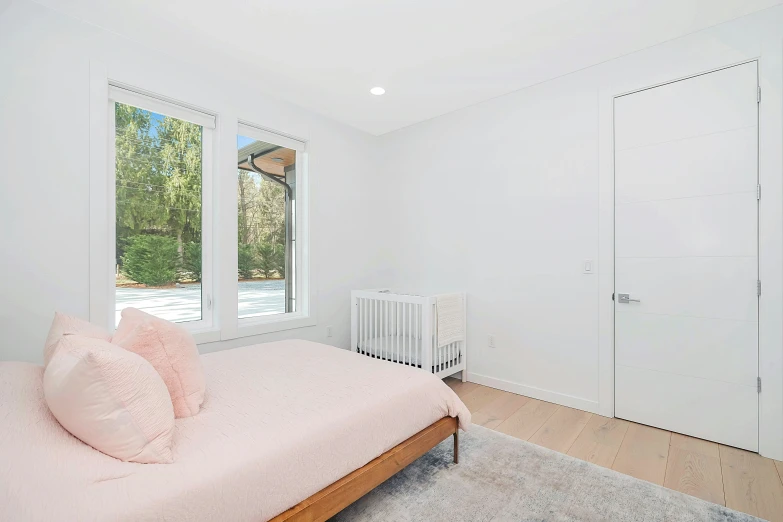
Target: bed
{"type": "Point", "coordinates": [291, 430]}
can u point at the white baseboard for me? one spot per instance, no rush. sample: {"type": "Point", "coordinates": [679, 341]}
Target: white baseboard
{"type": "Point", "coordinates": [536, 393]}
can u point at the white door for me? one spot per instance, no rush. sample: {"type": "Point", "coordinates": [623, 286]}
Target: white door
{"type": "Point", "coordinates": [686, 244]}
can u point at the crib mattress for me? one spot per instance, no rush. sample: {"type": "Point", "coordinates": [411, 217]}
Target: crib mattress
{"type": "Point", "coordinates": [280, 422]}
{"type": "Point", "coordinates": [403, 349]}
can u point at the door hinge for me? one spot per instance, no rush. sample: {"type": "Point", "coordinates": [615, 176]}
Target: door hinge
{"type": "Point", "coordinates": [758, 191]}
{"type": "Point", "coordinates": [758, 95]}
{"type": "Point", "coordinates": [758, 384]}
{"type": "Point", "coordinates": [758, 287]}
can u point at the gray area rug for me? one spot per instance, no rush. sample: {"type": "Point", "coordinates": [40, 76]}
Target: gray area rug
{"type": "Point", "coordinates": [500, 478]}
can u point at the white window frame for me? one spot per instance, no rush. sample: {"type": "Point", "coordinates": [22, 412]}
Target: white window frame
{"type": "Point", "coordinates": [304, 314]}
{"type": "Point", "coordinates": [219, 228]}
{"type": "Point", "coordinates": [105, 94]}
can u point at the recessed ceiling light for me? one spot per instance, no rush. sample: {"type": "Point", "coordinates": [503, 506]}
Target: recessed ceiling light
{"type": "Point", "coordinates": [377, 91]}
{"type": "Point", "coordinates": [279, 160]}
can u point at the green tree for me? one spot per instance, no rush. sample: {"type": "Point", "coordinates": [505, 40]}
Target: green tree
{"type": "Point", "coordinates": [279, 261]}
{"type": "Point", "coordinates": [138, 184]}
{"type": "Point", "coordinates": [260, 210]}
{"type": "Point", "coordinates": [246, 261]}
{"type": "Point", "coordinates": [260, 225]}
{"type": "Point", "coordinates": [191, 261]}
{"type": "Point", "coordinates": [158, 181]}
{"type": "Point", "coordinates": [266, 259]}
{"type": "Point", "coordinates": [151, 260]}
{"type": "Point", "coordinates": [179, 160]}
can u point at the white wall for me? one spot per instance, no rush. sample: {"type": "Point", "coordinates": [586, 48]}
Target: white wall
{"type": "Point", "coordinates": [504, 200]}
{"type": "Point", "coordinates": [44, 173]}
{"type": "Point", "coordinates": [507, 199]}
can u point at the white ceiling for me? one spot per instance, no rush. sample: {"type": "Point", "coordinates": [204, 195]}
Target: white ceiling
{"type": "Point", "coordinates": [431, 56]}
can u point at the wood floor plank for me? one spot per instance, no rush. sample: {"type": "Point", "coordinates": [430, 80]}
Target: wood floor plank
{"type": "Point", "coordinates": [480, 397]}
{"type": "Point", "coordinates": [600, 441]}
{"type": "Point", "coordinates": [461, 388]}
{"type": "Point", "coordinates": [703, 447]}
{"type": "Point", "coordinates": [561, 429]}
{"type": "Point", "coordinates": [751, 485]}
{"type": "Point", "coordinates": [694, 473]}
{"type": "Point", "coordinates": [643, 453]}
{"type": "Point", "coordinates": [744, 480]}
{"type": "Point", "coordinates": [498, 410]}
{"type": "Point", "coordinates": [524, 422]}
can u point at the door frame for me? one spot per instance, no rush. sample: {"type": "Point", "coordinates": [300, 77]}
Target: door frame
{"type": "Point", "coordinates": [770, 246]}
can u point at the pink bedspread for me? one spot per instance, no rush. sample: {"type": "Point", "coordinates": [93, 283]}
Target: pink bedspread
{"type": "Point", "coordinates": [280, 422]}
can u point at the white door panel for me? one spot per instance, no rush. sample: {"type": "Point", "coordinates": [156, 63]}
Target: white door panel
{"type": "Point", "coordinates": [686, 246]}
{"type": "Point", "coordinates": [666, 170]}
{"type": "Point", "coordinates": [698, 106]}
{"type": "Point", "coordinates": [711, 287]}
{"type": "Point", "coordinates": [703, 408]}
{"type": "Point", "coordinates": [692, 346]}
{"type": "Point", "coordinates": [723, 225]}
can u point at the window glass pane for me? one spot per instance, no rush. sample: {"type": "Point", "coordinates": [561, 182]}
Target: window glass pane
{"type": "Point", "coordinates": [158, 205]}
{"type": "Point", "coordinates": [266, 195]}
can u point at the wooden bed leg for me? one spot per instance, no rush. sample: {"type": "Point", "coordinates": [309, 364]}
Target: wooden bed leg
{"type": "Point", "coordinates": [456, 446]}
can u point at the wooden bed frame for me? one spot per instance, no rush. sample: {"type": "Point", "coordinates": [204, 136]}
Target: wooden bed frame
{"type": "Point", "coordinates": [336, 497]}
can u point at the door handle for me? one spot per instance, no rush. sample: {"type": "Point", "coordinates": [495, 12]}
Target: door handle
{"type": "Point", "coordinates": [626, 298]}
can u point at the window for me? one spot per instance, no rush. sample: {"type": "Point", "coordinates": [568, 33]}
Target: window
{"type": "Point", "coordinates": [267, 223]}
{"type": "Point", "coordinates": [161, 188]}
{"type": "Point", "coordinates": [160, 235]}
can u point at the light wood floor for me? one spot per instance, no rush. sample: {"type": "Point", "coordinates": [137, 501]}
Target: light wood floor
{"type": "Point", "coordinates": [735, 478]}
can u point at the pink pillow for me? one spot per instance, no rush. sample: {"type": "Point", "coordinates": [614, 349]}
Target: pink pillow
{"type": "Point", "coordinates": [66, 324]}
{"type": "Point", "coordinates": [111, 399]}
{"type": "Point", "coordinates": [171, 350]}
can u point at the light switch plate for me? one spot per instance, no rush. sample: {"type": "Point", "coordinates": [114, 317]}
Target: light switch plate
{"type": "Point", "coordinates": [588, 266]}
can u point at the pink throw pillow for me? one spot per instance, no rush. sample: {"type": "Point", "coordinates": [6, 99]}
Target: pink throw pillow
{"type": "Point", "coordinates": [69, 325]}
{"type": "Point", "coordinates": [171, 350]}
{"type": "Point", "coordinates": [111, 399]}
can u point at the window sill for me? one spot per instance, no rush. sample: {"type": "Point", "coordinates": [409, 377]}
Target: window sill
{"type": "Point", "coordinates": [253, 326]}
{"type": "Point", "coordinates": [206, 336]}
{"type": "Point", "coordinates": [269, 324]}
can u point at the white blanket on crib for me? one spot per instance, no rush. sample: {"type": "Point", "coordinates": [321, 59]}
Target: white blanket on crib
{"type": "Point", "coordinates": [450, 321]}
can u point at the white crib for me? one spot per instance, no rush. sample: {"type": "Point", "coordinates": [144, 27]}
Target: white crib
{"type": "Point", "coordinates": [402, 328]}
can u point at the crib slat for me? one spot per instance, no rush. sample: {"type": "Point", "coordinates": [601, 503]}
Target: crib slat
{"type": "Point", "coordinates": [385, 325]}
{"type": "Point", "coordinates": [416, 332]}
{"type": "Point", "coordinates": [408, 336]}
{"type": "Point", "coordinates": [393, 355]}
{"type": "Point", "coordinates": [358, 326]}
{"type": "Point", "coordinates": [439, 366]}
{"type": "Point", "coordinates": [419, 337]}
{"type": "Point", "coordinates": [392, 306]}
{"type": "Point", "coordinates": [364, 325]}
{"type": "Point", "coordinates": [428, 366]}
{"type": "Point", "coordinates": [379, 339]}
{"type": "Point", "coordinates": [397, 332]}
{"type": "Point", "coordinates": [367, 324]}
{"type": "Point", "coordinates": [402, 332]}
